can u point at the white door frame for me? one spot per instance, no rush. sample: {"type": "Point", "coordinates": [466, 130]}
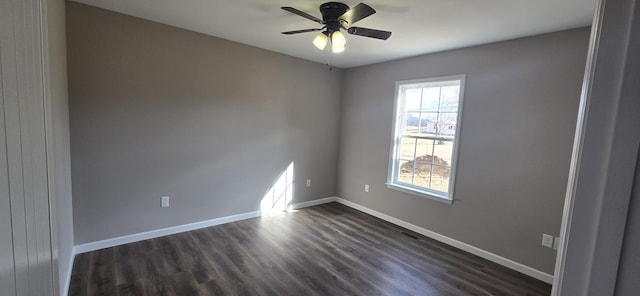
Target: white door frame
{"type": "Point", "coordinates": [604, 156]}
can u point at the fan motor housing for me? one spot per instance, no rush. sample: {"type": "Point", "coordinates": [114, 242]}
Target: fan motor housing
{"type": "Point", "coordinates": [331, 11]}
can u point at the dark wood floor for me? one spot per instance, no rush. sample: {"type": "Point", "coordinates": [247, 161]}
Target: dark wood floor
{"type": "Point", "coordinates": [323, 250]}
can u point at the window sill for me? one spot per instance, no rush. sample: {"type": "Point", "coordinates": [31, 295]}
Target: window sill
{"type": "Point", "coordinates": [427, 195]}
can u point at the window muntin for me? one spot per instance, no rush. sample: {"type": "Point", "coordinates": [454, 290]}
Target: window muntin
{"type": "Point", "coordinates": [424, 149]}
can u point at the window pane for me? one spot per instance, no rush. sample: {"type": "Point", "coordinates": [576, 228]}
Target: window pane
{"type": "Point", "coordinates": [449, 98]}
{"type": "Point", "coordinates": [405, 172]}
{"type": "Point", "coordinates": [407, 148]}
{"type": "Point", "coordinates": [443, 151]}
{"type": "Point", "coordinates": [424, 150]}
{"type": "Point", "coordinates": [430, 98]}
{"type": "Point", "coordinates": [411, 121]}
{"type": "Point", "coordinates": [423, 174]}
{"type": "Point", "coordinates": [429, 111]}
{"type": "Point", "coordinates": [447, 124]}
{"type": "Point", "coordinates": [428, 123]}
{"type": "Point", "coordinates": [440, 178]}
{"type": "Point", "coordinates": [412, 100]}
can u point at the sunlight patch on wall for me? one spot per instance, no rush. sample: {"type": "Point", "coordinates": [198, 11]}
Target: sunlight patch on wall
{"type": "Point", "coordinates": [280, 196]}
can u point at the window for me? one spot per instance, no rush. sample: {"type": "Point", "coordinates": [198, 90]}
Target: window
{"type": "Point", "coordinates": [424, 145]}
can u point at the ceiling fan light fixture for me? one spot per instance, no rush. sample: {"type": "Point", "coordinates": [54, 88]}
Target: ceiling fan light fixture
{"type": "Point", "coordinates": [338, 38]}
{"type": "Point", "coordinates": [335, 48]}
{"type": "Point", "coordinates": [338, 42]}
{"type": "Point", "coordinates": [321, 40]}
{"type": "Point", "coordinates": [337, 16]}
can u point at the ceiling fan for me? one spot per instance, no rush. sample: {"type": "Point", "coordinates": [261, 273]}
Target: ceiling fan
{"type": "Point", "coordinates": [337, 16]}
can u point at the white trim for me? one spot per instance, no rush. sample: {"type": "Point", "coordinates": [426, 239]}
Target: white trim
{"type": "Point", "coordinates": [112, 242]}
{"type": "Point", "coordinates": [545, 277]}
{"type": "Point", "coordinates": [392, 170]}
{"type": "Point", "coordinates": [121, 240]}
{"type": "Point", "coordinates": [126, 239]}
{"type": "Point", "coordinates": [427, 195]}
{"type": "Point", "coordinates": [88, 247]}
{"type": "Point", "coordinates": [67, 282]}
{"type": "Point", "coordinates": [576, 153]}
{"type": "Point", "coordinates": [596, 213]}
{"type": "Point", "coordinates": [314, 202]}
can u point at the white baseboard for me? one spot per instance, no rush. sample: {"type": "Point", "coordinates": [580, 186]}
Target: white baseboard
{"type": "Point", "coordinates": [314, 202]}
{"type": "Point", "coordinates": [112, 242]}
{"type": "Point", "coordinates": [116, 241]}
{"type": "Point", "coordinates": [545, 277]}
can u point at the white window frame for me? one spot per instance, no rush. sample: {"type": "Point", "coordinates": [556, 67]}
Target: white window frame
{"type": "Point", "coordinates": [392, 174]}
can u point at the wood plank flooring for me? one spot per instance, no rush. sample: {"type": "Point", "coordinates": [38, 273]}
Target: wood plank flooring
{"type": "Point", "coordinates": [328, 249]}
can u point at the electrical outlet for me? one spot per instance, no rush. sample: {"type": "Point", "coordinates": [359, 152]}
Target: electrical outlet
{"type": "Point", "coordinates": [366, 187]}
{"type": "Point", "coordinates": [164, 201]}
{"type": "Point", "coordinates": [547, 240]}
{"type": "Point", "coordinates": [308, 182]}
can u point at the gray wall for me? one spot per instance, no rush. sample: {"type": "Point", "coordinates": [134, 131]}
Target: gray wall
{"type": "Point", "coordinates": [519, 116]}
{"type": "Point", "coordinates": [60, 160]}
{"type": "Point", "coordinates": [156, 110]}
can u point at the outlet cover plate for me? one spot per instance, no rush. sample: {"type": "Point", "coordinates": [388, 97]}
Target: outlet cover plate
{"type": "Point", "coordinates": [547, 240]}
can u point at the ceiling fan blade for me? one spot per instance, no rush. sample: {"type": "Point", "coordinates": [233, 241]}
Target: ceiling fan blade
{"type": "Point", "coordinates": [357, 13]}
{"type": "Point", "coordinates": [366, 32]}
{"type": "Point", "coordinates": [302, 31]}
{"type": "Point", "coordinates": [303, 14]}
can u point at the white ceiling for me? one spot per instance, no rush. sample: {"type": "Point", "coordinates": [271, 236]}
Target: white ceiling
{"type": "Point", "coordinates": [418, 26]}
